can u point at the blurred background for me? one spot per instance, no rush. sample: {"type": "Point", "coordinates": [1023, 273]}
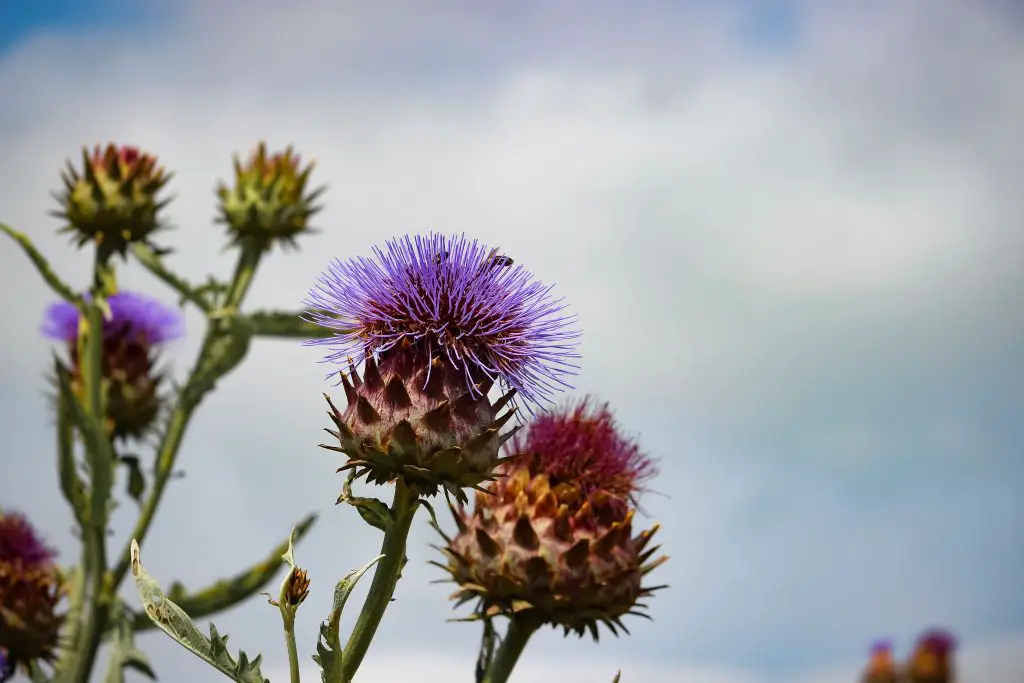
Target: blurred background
{"type": "Point", "coordinates": [791, 231]}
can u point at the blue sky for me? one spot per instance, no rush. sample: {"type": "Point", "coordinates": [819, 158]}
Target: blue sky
{"type": "Point", "coordinates": [795, 250]}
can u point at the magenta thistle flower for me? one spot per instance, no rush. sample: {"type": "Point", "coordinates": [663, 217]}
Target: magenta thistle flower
{"type": "Point", "coordinates": [146, 320]}
{"type": "Point", "coordinates": [137, 327]}
{"type": "Point", "coordinates": [18, 541]}
{"type": "Point", "coordinates": [553, 539]}
{"type": "Point", "coordinates": [31, 587]}
{"type": "Point", "coordinates": [454, 297]}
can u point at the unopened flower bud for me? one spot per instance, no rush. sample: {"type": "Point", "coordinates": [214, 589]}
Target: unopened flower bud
{"type": "Point", "coordinates": [932, 659]}
{"type": "Point", "coordinates": [112, 200]}
{"type": "Point", "coordinates": [31, 588]}
{"type": "Point", "coordinates": [298, 587]}
{"type": "Point", "coordinates": [437, 324]}
{"type": "Point", "coordinates": [554, 539]}
{"type": "Point", "coordinates": [270, 201]}
{"type": "Point", "coordinates": [881, 666]}
{"type": "Point", "coordinates": [132, 338]}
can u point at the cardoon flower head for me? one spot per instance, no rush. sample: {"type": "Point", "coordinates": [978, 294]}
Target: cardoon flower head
{"type": "Point", "coordinates": [932, 659]}
{"type": "Point", "coordinates": [881, 667]}
{"type": "Point", "coordinates": [438, 320]}
{"type": "Point", "coordinates": [30, 589]}
{"type": "Point", "coordinates": [112, 200]}
{"type": "Point", "coordinates": [554, 538]}
{"type": "Point", "coordinates": [137, 328]}
{"type": "Point", "coordinates": [270, 201]}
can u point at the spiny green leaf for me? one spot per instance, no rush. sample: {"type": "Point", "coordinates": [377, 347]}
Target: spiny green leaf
{"type": "Point", "coordinates": [123, 653]}
{"type": "Point", "coordinates": [173, 621]}
{"type": "Point", "coordinates": [227, 346]}
{"type": "Point", "coordinates": [329, 655]}
{"type": "Point", "coordinates": [229, 592]}
{"type": "Point", "coordinates": [373, 511]}
{"type": "Point", "coordinates": [136, 482]}
{"type": "Point", "coordinates": [288, 325]}
{"type": "Point", "coordinates": [42, 265]}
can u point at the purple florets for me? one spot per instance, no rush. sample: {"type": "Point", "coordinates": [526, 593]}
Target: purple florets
{"type": "Point", "coordinates": [149, 320]}
{"type": "Point", "coordinates": [451, 296]}
{"type": "Point", "coordinates": [18, 541]}
{"type": "Point", "coordinates": [881, 646]}
{"type": "Point", "coordinates": [6, 667]}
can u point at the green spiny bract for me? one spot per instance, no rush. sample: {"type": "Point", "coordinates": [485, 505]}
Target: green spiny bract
{"type": "Point", "coordinates": [269, 202]}
{"type": "Point", "coordinates": [113, 200]}
{"type": "Point", "coordinates": [413, 418]}
{"type": "Point", "coordinates": [556, 554]}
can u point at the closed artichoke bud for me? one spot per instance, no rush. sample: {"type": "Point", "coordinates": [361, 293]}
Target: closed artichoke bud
{"type": "Point", "coordinates": [554, 539]}
{"type": "Point", "coordinates": [270, 201]}
{"type": "Point", "coordinates": [881, 666]}
{"type": "Point", "coordinates": [31, 588]}
{"type": "Point", "coordinates": [132, 337]}
{"type": "Point", "coordinates": [932, 659]}
{"type": "Point", "coordinates": [112, 200]}
{"type": "Point", "coordinates": [436, 327]}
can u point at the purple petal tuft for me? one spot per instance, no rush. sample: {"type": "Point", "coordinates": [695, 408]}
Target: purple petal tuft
{"type": "Point", "coordinates": [18, 541]}
{"type": "Point", "coordinates": [449, 295]}
{"type": "Point", "coordinates": [148, 318]}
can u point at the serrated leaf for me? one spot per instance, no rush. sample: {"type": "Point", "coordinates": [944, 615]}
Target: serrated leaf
{"type": "Point", "coordinates": [329, 655]}
{"type": "Point", "coordinates": [136, 485]}
{"type": "Point", "coordinates": [373, 511]}
{"type": "Point", "coordinates": [173, 621]}
{"type": "Point", "coordinates": [42, 265]}
{"type": "Point", "coordinates": [229, 592]}
{"type": "Point", "coordinates": [123, 653]}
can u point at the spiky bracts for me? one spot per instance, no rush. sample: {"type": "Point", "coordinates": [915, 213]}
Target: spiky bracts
{"type": "Point", "coordinates": [451, 298]}
{"type": "Point", "coordinates": [112, 200]}
{"type": "Point", "coordinates": [413, 418]}
{"type": "Point", "coordinates": [550, 540]}
{"type": "Point", "coordinates": [932, 659]}
{"type": "Point", "coordinates": [31, 588]}
{"type": "Point", "coordinates": [437, 321]}
{"type": "Point", "coordinates": [132, 337]}
{"type": "Point", "coordinates": [270, 201]}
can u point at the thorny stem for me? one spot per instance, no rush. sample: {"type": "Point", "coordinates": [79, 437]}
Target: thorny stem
{"type": "Point", "coordinates": [385, 578]}
{"type": "Point", "coordinates": [520, 629]}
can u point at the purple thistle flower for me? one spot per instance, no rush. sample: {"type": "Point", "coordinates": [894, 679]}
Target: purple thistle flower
{"type": "Point", "coordinates": [6, 667]}
{"type": "Point", "coordinates": [881, 646]}
{"type": "Point", "coordinates": [451, 296]}
{"type": "Point", "coordinates": [149, 321]}
{"type": "Point", "coordinates": [19, 542]}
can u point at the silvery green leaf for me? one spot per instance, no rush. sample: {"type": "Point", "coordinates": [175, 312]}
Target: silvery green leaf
{"type": "Point", "coordinates": [123, 653]}
{"type": "Point", "coordinates": [328, 646]}
{"type": "Point", "coordinates": [173, 621]}
{"type": "Point", "coordinates": [373, 511]}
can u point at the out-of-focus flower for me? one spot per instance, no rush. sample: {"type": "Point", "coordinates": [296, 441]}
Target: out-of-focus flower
{"type": "Point", "coordinates": [269, 202]}
{"type": "Point", "coordinates": [554, 538]}
{"type": "Point", "coordinates": [112, 200]}
{"type": "Point", "coordinates": [437, 320]}
{"type": "Point", "coordinates": [137, 328]}
{"type": "Point", "coordinates": [881, 666]}
{"type": "Point", "coordinates": [932, 659]}
{"type": "Point", "coordinates": [31, 588]}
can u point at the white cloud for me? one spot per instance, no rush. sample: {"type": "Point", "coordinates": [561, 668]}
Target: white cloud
{"type": "Point", "coordinates": [794, 273]}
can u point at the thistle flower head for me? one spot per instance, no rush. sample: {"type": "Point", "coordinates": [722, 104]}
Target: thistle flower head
{"type": "Point", "coordinates": [112, 200]}
{"type": "Point", "coordinates": [452, 298]}
{"type": "Point", "coordinates": [19, 542]}
{"type": "Point", "coordinates": [932, 659]}
{"type": "Point", "coordinates": [270, 201]}
{"type": "Point", "coordinates": [553, 538]}
{"type": "Point", "coordinates": [31, 587]}
{"type": "Point", "coordinates": [132, 336]}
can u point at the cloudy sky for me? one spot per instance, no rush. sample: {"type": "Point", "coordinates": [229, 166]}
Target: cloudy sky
{"type": "Point", "coordinates": [791, 232]}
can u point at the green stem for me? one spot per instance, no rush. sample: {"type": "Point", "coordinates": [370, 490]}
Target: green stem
{"type": "Point", "coordinates": [248, 259]}
{"type": "Point", "coordinates": [289, 641]}
{"type": "Point", "coordinates": [385, 578]}
{"type": "Point", "coordinates": [519, 631]}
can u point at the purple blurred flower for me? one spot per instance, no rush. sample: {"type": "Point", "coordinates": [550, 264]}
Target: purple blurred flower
{"type": "Point", "coordinates": [149, 320]}
{"type": "Point", "coordinates": [938, 641]}
{"type": "Point", "coordinates": [18, 541]}
{"type": "Point", "coordinates": [6, 667]}
{"type": "Point", "coordinates": [454, 296]}
{"type": "Point", "coordinates": [881, 646]}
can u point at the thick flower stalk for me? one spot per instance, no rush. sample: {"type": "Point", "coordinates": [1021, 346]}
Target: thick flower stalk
{"type": "Point", "coordinates": [437, 320]}
{"type": "Point", "coordinates": [932, 659]}
{"type": "Point", "coordinates": [113, 199]}
{"type": "Point", "coordinates": [132, 338]}
{"type": "Point", "coordinates": [552, 543]}
{"type": "Point", "coordinates": [31, 588]}
{"type": "Point", "coordinates": [270, 201]}
{"type": "Point", "coordinates": [881, 666]}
